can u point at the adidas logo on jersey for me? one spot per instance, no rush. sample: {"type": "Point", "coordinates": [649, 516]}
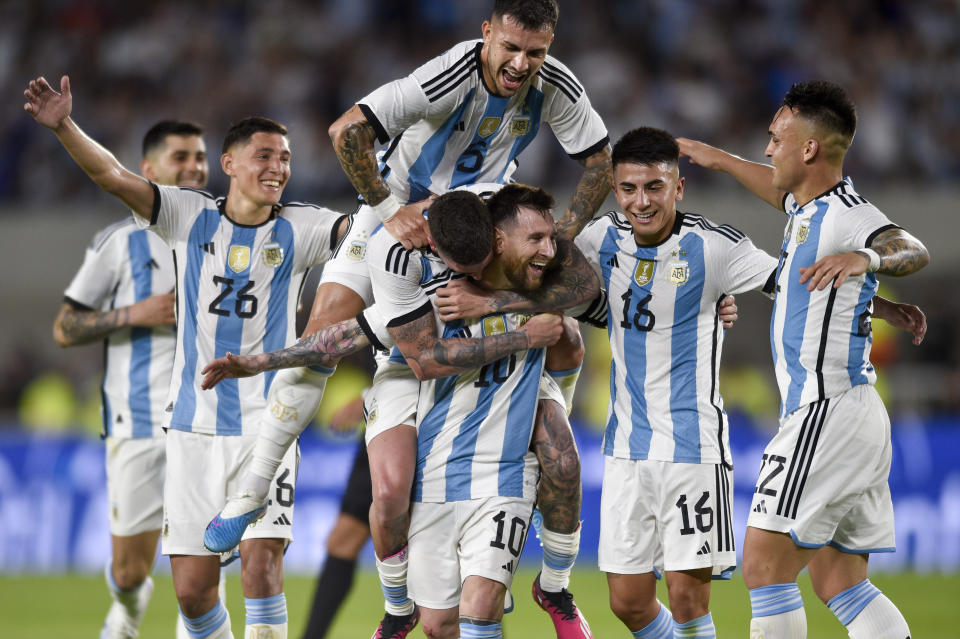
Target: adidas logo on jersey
{"type": "Point", "coordinates": [704, 549]}
{"type": "Point", "coordinates": [282, 520]}
{"type": "Point", "coordinates": [152, 264]}
{"type": "Point", "coordinates": [761, 507]}
{"type": "Point", "coordinates": [209, 248]}
{"type": "Point", "coordinates": [508, 566]}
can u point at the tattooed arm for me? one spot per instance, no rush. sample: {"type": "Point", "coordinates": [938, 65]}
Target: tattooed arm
{"type": "Point", "coordinates": [430, 357]}
{"type": "Point", "coordinates": [353, 141]}
{"type": "Point", "coordinates": [592, 190]}
{"type": "Point", "coordinates": [900, 254]}
{"type": "Point", "coordinates": [326, 347]}
{"type": "Point", "coordinates": [571, 281]}
{"type": "Point", "coordinates": [74, 326]}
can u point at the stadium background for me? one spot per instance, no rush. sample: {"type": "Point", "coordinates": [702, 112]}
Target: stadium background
{"type": "Point", "coordinates": [709, 69]}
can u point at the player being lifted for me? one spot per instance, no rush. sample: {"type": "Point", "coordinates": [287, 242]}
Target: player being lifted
{"type": "Point", "coordinates": [123, 295]}
{"type": "Point", "coordinates": [461, 118]}
{"type": "Point", "coordinates": [822, 498]}
{"type": "Point", "coordinates": [240, 261]}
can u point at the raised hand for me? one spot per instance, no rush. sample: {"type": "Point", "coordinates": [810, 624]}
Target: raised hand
{"type": "Point", "coordinates": [461, 298]}
{"type": "Point", "coordinates": [232, 366]}
{"type": "Point", "coordinates": [48, 107]}
{"type": "Point", "coordinates": [408, 225]}
{"type": "Point", "coordinates": [543, 329]}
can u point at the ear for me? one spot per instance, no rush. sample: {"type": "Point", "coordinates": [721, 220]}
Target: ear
{"type": "Point", "coordinates": [146, 170]}
{"type": "Point", "coordinates": [498, 239]}
{"type": "Point", "coordinates": [680, 183]}
{"type": "Point", "coordinates": [226, 163]}
{"type": "Point", "coordinates": [810, 150]}
{"type": "Point", "coordinates": [485, 30]}
{"type": "Point", "coordinates": [431, 243]}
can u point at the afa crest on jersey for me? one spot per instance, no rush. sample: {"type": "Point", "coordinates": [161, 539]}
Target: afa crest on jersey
{"type": "Point", "coordinates": [520, 126]}
{"type": "Point", "coordinates": [488, 126]}
{"type": "Point", "coordinates": [679, 272]}
{"type": "Point", "coordinates": [239, 258]}
{"type": "Point", "coordinates": [272, 254]}
{"type": "Point", "coordinates": [803, 231]}
{"type": "Point", "coordinates": [357, 250]}
{"type": "Point", "coordinates": [644, 272]}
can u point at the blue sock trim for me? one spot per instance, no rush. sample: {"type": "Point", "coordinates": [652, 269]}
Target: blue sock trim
{"type": "Point", "coordinates": [565, 373]}
{"type": "Point", "coordinates": [471, 630]}
{"type": "Point", "coordinates": [659, 628]}
{"type": "Point", "coordinates": [849, 603]}
{"type": "Point", "coordinates": [395, 595]}
{"type": "Point", "coordinates": [700, 628]}
{"type": "Point", "coordinates": [269, 610]}
{"type": "Point", "coordinates": [767, 601]}
{"type": "Point", "coordinates": [206, 623]}
{"type": "Point", "coordinates": [557, 561]}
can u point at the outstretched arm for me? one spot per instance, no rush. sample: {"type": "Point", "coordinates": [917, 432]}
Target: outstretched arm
{"type": "Point", "coordinates": [430, 357]}
{"type": "Point", "coordinates": [52, 110]}
{"type": "Point", "coordinates": [758, 178]}
{"type": "Point", "coordinates": [570, 282]}
{"type": "Point", "coordinates": [74, 326]}
{"type": "Point", "coordinates": [906, 317]}
{"type": "Point", "coordinates": [592, 190]}
{"type": "Point", "coordinates": [353, 141]}
{"type": "Point", "coordinates": [900, 254]}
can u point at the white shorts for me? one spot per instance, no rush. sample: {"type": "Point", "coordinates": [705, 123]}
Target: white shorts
{"type": "Point", "coordinates": [824, 475]}
{"type": "Point", "coordinates": [660, 516]}
{"type": "Point", "coordinates": [391, 399]}
{"type": "Point", "coordinates": [451, 541]}
{"type": "Point", "coordinates": [202, 472]}
{"type": "Point", "coordinates": [135, 471]}
{"type": "Point", "coordinates": [349, 266]}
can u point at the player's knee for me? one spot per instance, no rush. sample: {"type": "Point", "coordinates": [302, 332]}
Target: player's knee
{"type": "Point", "coordinates": [441, 627]}
{"type": "Point", "coordinates": [688, 603]}
{"type": "Point", "coordinates": [261, 567]}
{"type": "Point", "coordinates": [633, 611]}
{"type": "Point", "coordinates": [196, 601]}
{"type": "Point", "coordinates": [129, 572]}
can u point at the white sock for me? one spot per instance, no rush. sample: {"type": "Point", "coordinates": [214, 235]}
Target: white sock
{"type": "Point", "coordinates": [266, 617]}
{"type": "Point", "coordinates": [567, 381]}
{"type": "Point", "coordinates": [393, 583]}
{"type": "Point", "coordinates": [292, 402]}
{"type": "Point", "coordinates": [559, 554]}
{"type": "Point", "coordinates": [182, 632]}
{"type": "Point", "coordinates": [868, 613]}
{"type": "Point", "coordinates": [777, 612]}
{"type": "Point", "coordinates": [134, 600]}
{"type": "Point", "coordinates": [660, 628]}
{"type": "Point", "coordinates": [699, 628]}
{"type": "Point", "coordinates": [214, 624]}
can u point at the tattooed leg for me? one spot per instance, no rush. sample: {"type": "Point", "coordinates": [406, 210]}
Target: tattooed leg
{"type": "Point", "coordinates": [556, 450]}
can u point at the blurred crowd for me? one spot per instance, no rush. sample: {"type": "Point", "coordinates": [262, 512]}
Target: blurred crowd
{"type": "Point", "coordinates": [711, 69]}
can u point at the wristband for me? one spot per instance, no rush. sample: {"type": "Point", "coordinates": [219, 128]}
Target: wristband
{"type": "Point", "coordinates": [874, 258]}
{"type": "Point", "coordinates": [386, 209]}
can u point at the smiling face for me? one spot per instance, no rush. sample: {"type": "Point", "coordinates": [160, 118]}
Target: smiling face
{"type": "Point", "coordinates": [526, 246]}
{"type": "Point", "coordinates": [180, 161]}
{"type": "Point", "coordinates": [260, 168]}
{"type": "Point", "coordinates": [648, 196]}
{"type": "Point", "coordinates": [512, 54]}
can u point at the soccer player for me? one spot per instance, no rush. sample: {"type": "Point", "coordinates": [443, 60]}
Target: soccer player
{"type": "Point", "coordinates": [822, 500]}
{"type": "Point", "coordinates": [461, 118]}
{"type": "Point", "coordinates": [240, 261]}
{"type": "Point", "coordinates": [123, 295]}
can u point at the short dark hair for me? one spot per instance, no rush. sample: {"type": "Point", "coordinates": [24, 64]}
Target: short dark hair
{"type": "Point", "coordinates": [157, 135]}
{"type": "Point", "coordinates": [505, 203]}
{"type": "Point", "coordinates": [646, 145]}
{"type": "Point", "coordinates": [461, 227]}
{"type": "Point", "coordinates": [241, 132]}
{"type": "Point", "coordinates": [530, 14]}
{"type": "Point", "coordinates": [824, 103]}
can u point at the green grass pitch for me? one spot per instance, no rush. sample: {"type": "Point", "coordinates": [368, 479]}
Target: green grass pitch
{"type": "Point", "coordinates": [74, 606]}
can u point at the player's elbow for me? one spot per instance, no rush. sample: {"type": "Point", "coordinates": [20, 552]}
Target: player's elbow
{"type": "Point", "coordinates": [60, 337]}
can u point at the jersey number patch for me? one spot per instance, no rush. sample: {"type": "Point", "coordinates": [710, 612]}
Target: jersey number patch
{"type": "Point", "coordinates": [643, 319]}
{"type": "Point", "coordinates": [245, 305]}
{"type": "Point", "coordinates": [703, 512]}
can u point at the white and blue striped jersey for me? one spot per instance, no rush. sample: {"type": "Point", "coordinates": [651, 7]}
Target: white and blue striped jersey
{"type": "Point", "coordinates": [447, 129]}
{"type": "Point", "coordinates": [122, 266]}
{"type": "Point", "coordinates": [665, 334]}
{"type": "Point", "coordinates": [474, 429]}
{"type": "Point", "coordinates": [821, 339]}
{"type": "Point", "coordinates": [237, 289]}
